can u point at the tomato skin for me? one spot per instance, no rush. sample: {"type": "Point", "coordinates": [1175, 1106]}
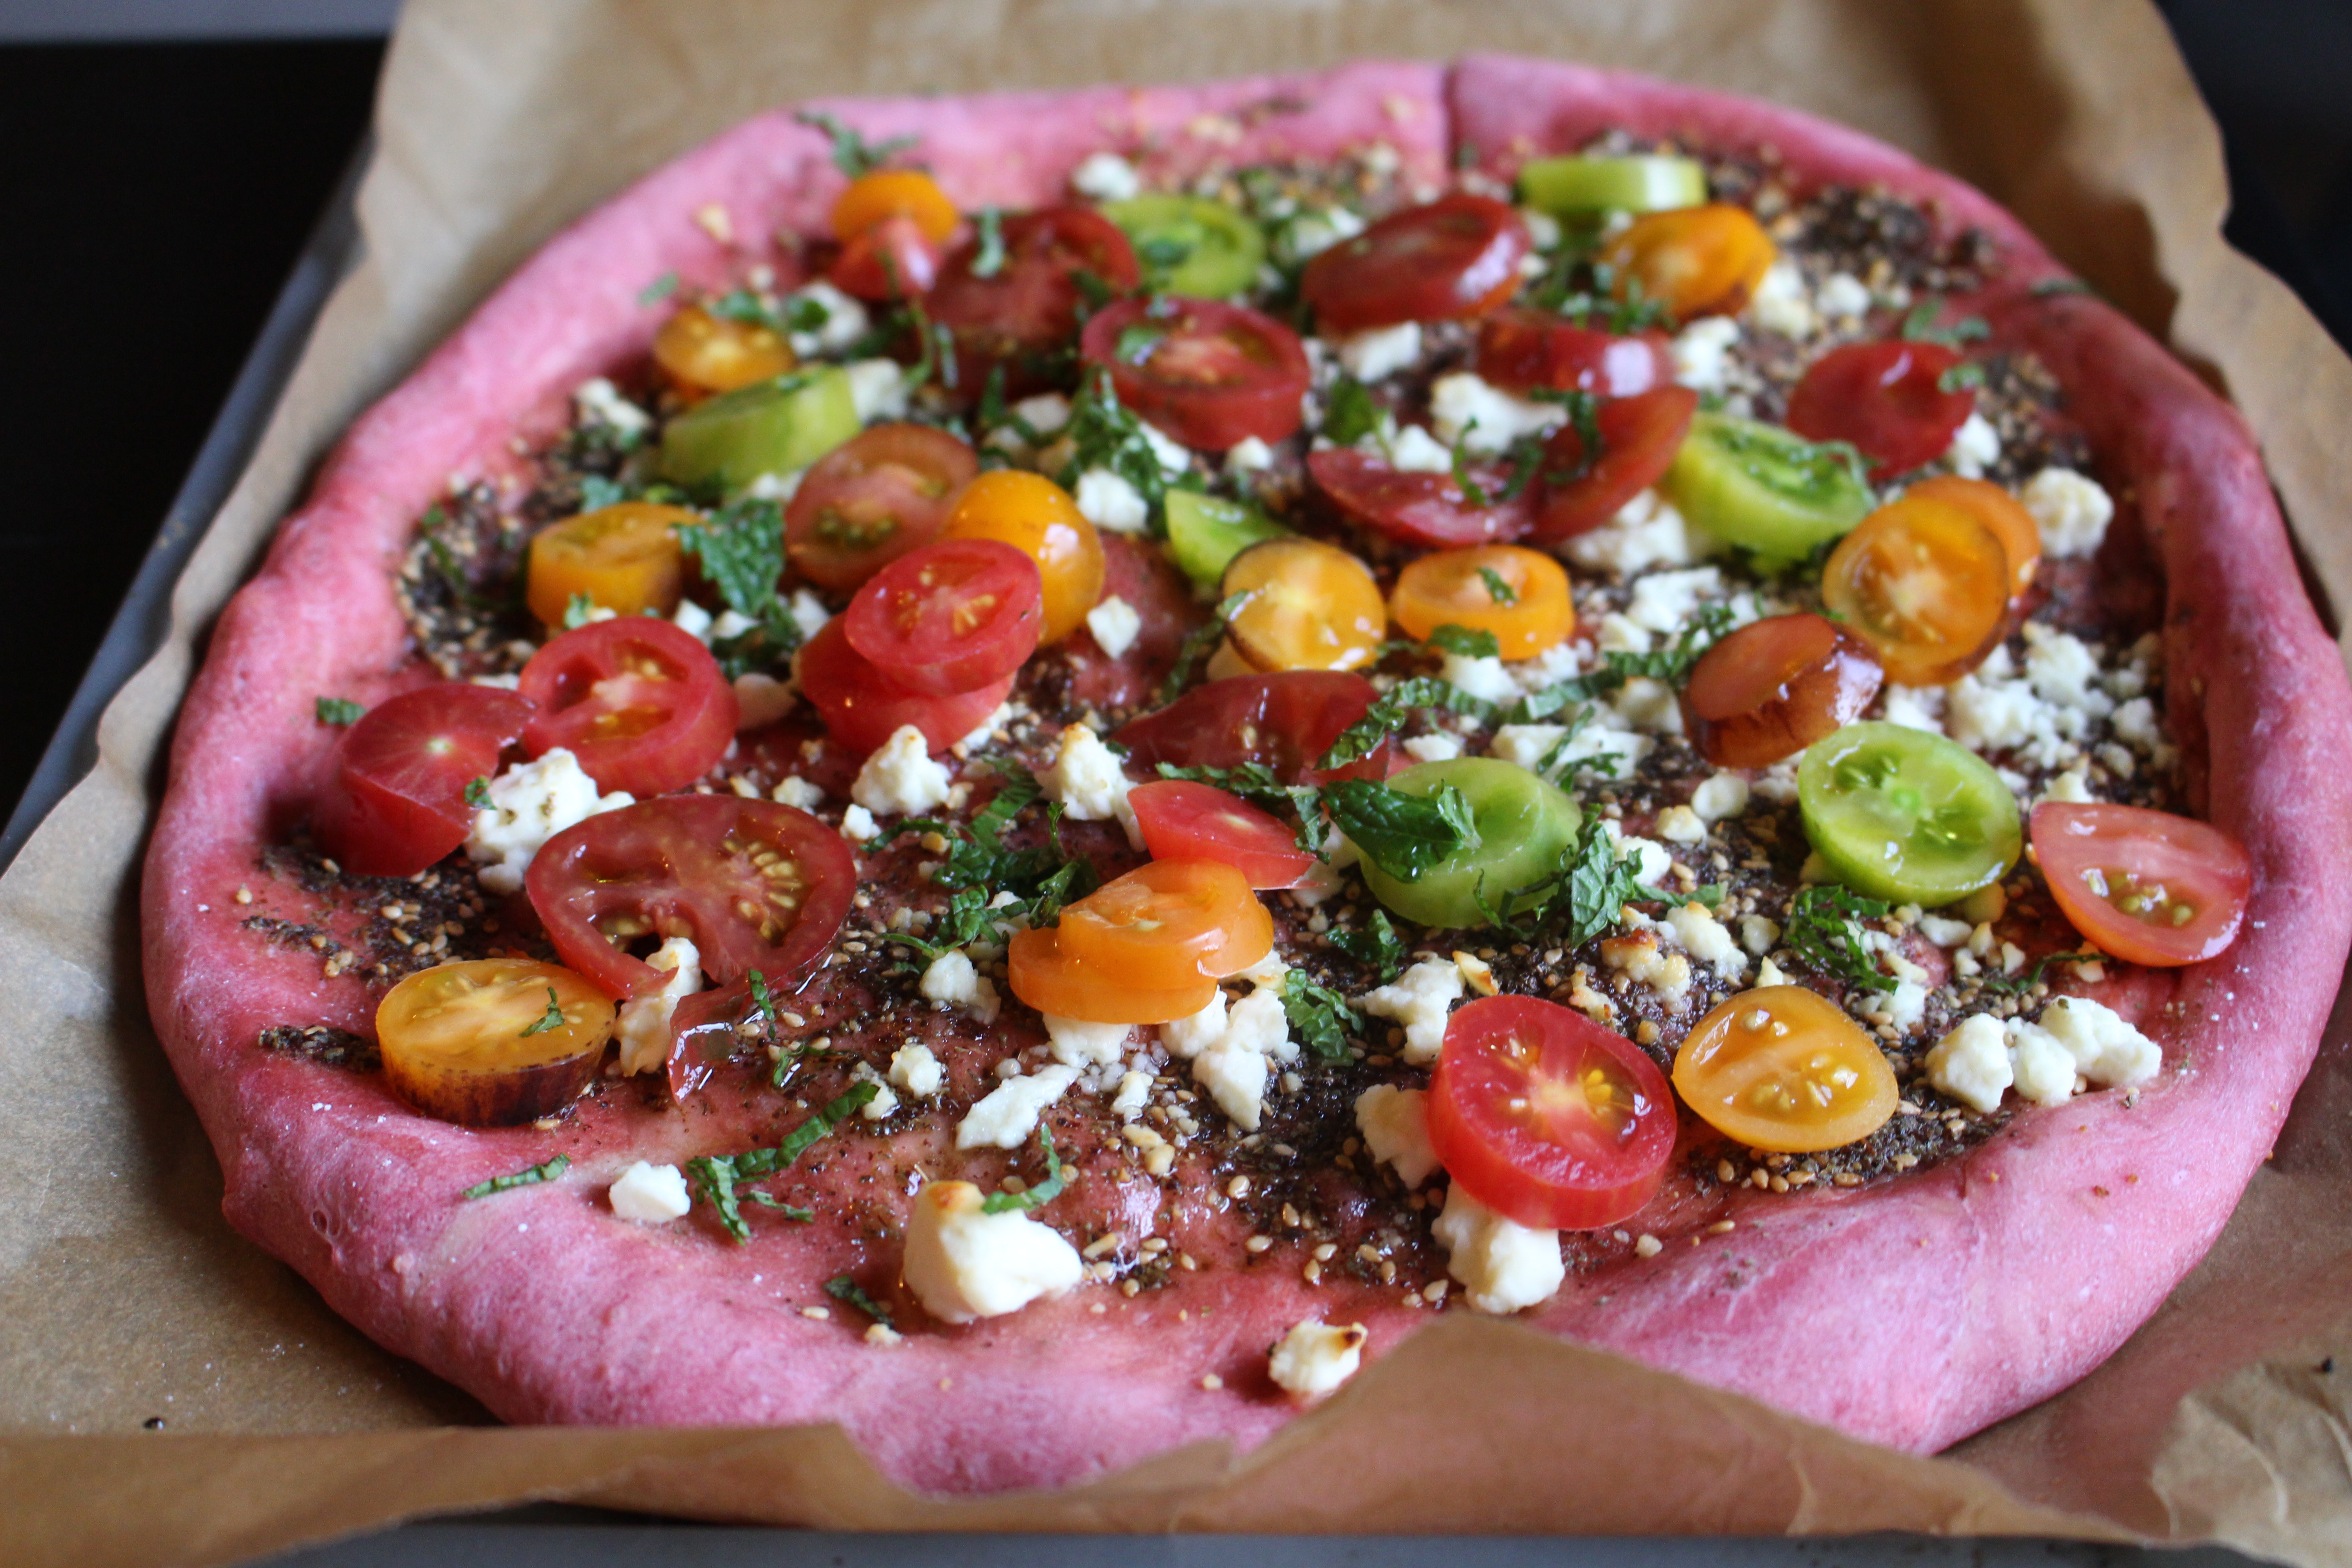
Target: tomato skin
{"type": "Point", "coordinates": [2081, 846]}
{"type": "Point", "coordinates": [1287, 722]}
{"type": "Point", "coordinates": [891, 260]}
{"type": "Point", "coordinates": [1697, 261]}
{"type": "Point", "coordinates": [1511, 1115]}
{"type": "Point", "coordinates": [638, 701]}
{"type": "Point", "coordinates": [949, 617]}
{"type": "Point", "coordinates": [1312, 605]}
{"type": "Point", "coordinates": [1032, 513]}
{"type": "Point", "coordinates": [864, 707]}
{"type": "Point", "coordinates": [1523, 349]}
{"type": "Point", "coordinates": [1219, 373]}
{"type": "Point", "coordinates": [1784, 1069]}
{"type": "Point", "coordinates": [871, 499]}
{"type": "Point", "coordinates": [1054, 980]}
{"type": "Point", "coordinates": [454, 1043]}
{"type": "Point", "coordinates": [398, 800]}
{"type": "Point", "coordinates": [1168, 922]}
{"type": "Point", "coordinates": [1639, 437]}
{"type": "Point", "coordinates": [2019, 535]}
{"type": "Point", "coordinates": [1449, 587]}
{"type": "Point", "coordinates": [1887, 399]}
{"type": "Point", "coordinates": [1454, 257]}
{"type": "Point", "coordinates": [1182, 820]}
{"type": "Point", "coordinates": [1771, 687]}
{"type": "Point", "coordinates": [683, 865]}
{"type": "Point", "coordinates": [1925, 584]}
{"type": "Point", "coordinates": [1419, 509]}
{"type": "Point", "coordinates": [1018, 316]}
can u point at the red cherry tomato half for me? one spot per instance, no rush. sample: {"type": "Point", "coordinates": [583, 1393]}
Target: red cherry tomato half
{"type": "Point", "coordinates": [1455, 256]}
{"type": "Point", "coordinates": [1639, 436]}
{"type": "Point", "coordinates": [639, 702]}
{"type": "Point", "coordinates": [1204, 371]}
{"type": "Point", "coordinates": [863, 706]}
{"type": "Point", "coordinates": [1546, 1117]}
{"type": "Point", "coordinates": [1419, 509]}
{"type": "Point", "coordinates": [1186, 821]}
{"type": "Point", "coordinates": [1774, 687]}
{"type": "Point", "coordinates": [1886, 398]}
{"type": "Point", "coordinates": [952, 616]}
{"type": "Point", "coordinates": [1027, 307]}
{"type": "Point", "coordinates": [398, 800]}
{"type": "Point", "coordinates": [889, 261]}
{"type": "Point", "coordinates": [872, 499]}
{"type": "Point", "coordinates": [1523, 349]}
{"type": "Point", "coordinates": [2147, 886]}
{"type": "Point", "coordinates": [1287, 722]}
{"type": "Point", "coordinates": [751, 883]}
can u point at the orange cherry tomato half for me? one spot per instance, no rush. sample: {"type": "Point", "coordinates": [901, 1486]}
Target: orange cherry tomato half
{"type": "Point", "coordinates": [1036, 516]}
{"type": "Point", "coordinates": [1454, 258]}
{"type": "Point", "coordinates": [705, 353]}
{"type": "Point", "coordinates": [1925, 584]}
{"type": "Point", "coordinates": [1546, 1117]}
{"type": "Point", "coordinates": [1523, 349]}
{"type": "Point", "coordinates": [1887, 398]}
{"type": "Point", "coordinates": [863, 706]}
{"type": "Point", "coordinates": [874, 498]}
{"type": "Point", "coordinates": [1697, 261]}
{"type": "Point", "coordinates": [2147, 886]}
{"type": "Point", "coordinates": [492, 1042]}
{"type": "Point", "coordinates": [1181, 820]}
{"type": "Point", "coordinates": [951, 616]}
{"type": "Point", "coordinates": [894, 193]}
{"type": "Point", "coordinates": [398, 802]}
{"type": "Point", "coordinates": [1774, 687]}
{"type": "Point", "coordinates": [1206, 373]}
{"type": "Point", "coordinates": [1639, 437]}
{"type": "Point", "coordinates": [1784, 1069]}
{"type": "Point", "coordinates": [2019, 535]}
{"type": "Point", "coordinates": [1520, 596]}
{"type": "Point", "coordinates": [1055, 982]}
{"type": "Point", "coordinates": [624, 558]}
{"type": "Point", "coordinates": [1418, 508]}
{"type": "Point", "coordinates": [1168, 922]}
{"type": "Point", "coordinates": [1312, 606]}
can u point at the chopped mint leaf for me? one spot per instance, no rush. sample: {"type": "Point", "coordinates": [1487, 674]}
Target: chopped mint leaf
{"type": "Point", "coordinates": [742, 305]}
{"type": "Point", "coordinates": [1377, 946]}
{"type": "Point", "coordinates": [852, 153]}
{"type": "Point", "coordinates": [1199, 643]}
{"type": "Point", "coordinates": [1387, 714]}
{"type": "Point", "coordinates": [1824, 929]}
{"type": "Point", "coordinates": [1919, 327]}
{"type": "Point", "coordinates": [990, 259]}
{"type": "Point", "coordinates": [1403, 835]}
{"type": "Point", "coordinates": [1469, 487]}
{"type": "Point", "coordinates": [1964, 376]}
{"type": "Point", "coordinates": [1348, 412]}
{"type": "Point", "coordinates": [1137, 340]}
{"type": "Point", "coordinates": [717, 1177]}
{"type": "Point", "coordinates": [338, 710]}
{"type": "Point", "coordinates": [845, 1290]}
{"type": "Point", "coordinates": [2028, 978]}
{"type": "Point", "coordinates": [478, 793]}
{"type": "Point", "coordinates": [660, 289]}
{"type": "Point", "coordinates": [552, 1019]}
{"type": "Point", "coordinates": [1103, 434]}
{"type": "Point", "coordinates": [597, 492]}
{"type": "Point", "coordinates": [1038, 1196]}
{"type": "Point", "coordinates": [524, 1178]}
{"type": "Point", "coordinates": [1601, 883]}
{"type": "Point", "coordinates": [1502, 593]}
{"type": "Point", "coordinates": [576, 611]}
{"type": "Point", "coordinates": [1468, 641]}
{"type": "Point", "coordinates": [1321, 1016]}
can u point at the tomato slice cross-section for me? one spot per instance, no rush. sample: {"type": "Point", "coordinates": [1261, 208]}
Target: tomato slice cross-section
{"type": "Point", "coordinates": [398, 800]}
{"type": "Point", "coordinates": [1182, 820]}
{"type": "Point", "coordinates": [1019, 312]}
{"type": "Point", "coordinates": [1887, 398]}
{"type": "Point", "coordinates": [2147, 886]}
{"type": "Point", "coordinates": [864, 705]}
{"type": "Point", "coordinates": [1287, 722]}
{"type": "Point", "coordinates": [1523, 348]}
{"type": "Point", "coordinates": [1577, 491]}
{"type": "Point", "coordinates": [872, 499]}
{"type": "Point", "coordinates": [950, 617]}
{"type": "Point", "coordinates": [1205, 373]}
{"type": "Point", "coordinates": [1773, 687]}
{"type": "Point", "coordinates": [1052, 979]}
{"type": "Point", "coordinates": [638, 701]}
{"type": "Point", "coordinates": [1454, 258]}
{"type": "Point", "coordinates": [1785, 1069]}
{"type": "Point", "coordinates": [1166, 923]}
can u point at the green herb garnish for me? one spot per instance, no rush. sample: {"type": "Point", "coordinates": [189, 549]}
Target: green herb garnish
{"type": "Point", "coordinates": [1824, 929]}
{"type": "Point", "coordinates": [1044, 1192]}
{"type": "Point", "coordinates": [1403, 835]}
{"type": "Point", "coordinates": [552, 1019]}
{"type": "Point", "coordinates": [718, 1177]}
{"type": "Point", "coordinates": [1321, 1016]}
{"type": "Point", "coordinates": [338, 710]}
{"type": "Point", "coordinates": [660, 289]}
{"type": "Point", "coordinates": [525, 1178]}
{"type": "Point", "coordinates": [845, 1290]}
{"type": "Point", "coordinates": [1377, 946]}
{"type": "Point", "coordinates": [852, 153]}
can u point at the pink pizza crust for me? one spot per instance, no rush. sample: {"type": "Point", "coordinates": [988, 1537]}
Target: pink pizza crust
{"type": "Point", "coordinates": [1912, 1312]}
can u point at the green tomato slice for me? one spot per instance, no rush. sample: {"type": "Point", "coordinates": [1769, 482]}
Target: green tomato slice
{"type": "Point", "coordinates": [772, 426]}
{"type": "Point", "coordinates": [1206, 531]}
{"type": "Point", "coordinates": [1191, 244]}
{"type": "Point", "coordinates": [1907, 815]}
{"type": "Point", "coordinates": [1570, 186]}
{"type": "Point", "coordinates": [1526, 828]}
{"type": "Point", "coordinates": [1764, 488]}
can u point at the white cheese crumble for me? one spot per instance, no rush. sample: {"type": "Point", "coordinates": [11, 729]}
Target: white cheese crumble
{"type": "Point", "coordinates": [1173, 454]}
{"type": "Point", "coordinates": [1414, 450]}
{"type": "Point", "coordinates": [877, 389]}
{"type": "Point", "coordinates": [1105, 177]}
{"type": "Point", "coordinates": [1315, 1358]}
{"type": "Point", "coordinates": [1915, 707]}
{"type": "Point", "coordinates": [642, 1028]}
{"type": "Point", "coordinates": [1975, 446]}
{"type": "Point", "coordinates": [601, 403]}
{"type": "Point", "coordinates": [1433, 748]}
{"type": "Point", "coordinates": [1420, 999]}
{"type": "Point", "coordinates": [649, 1195]}
{"type": "Point", "coordinates": [915, 1070]}
{"type": "Point", "coordinates": [693, 620]}
{"type": "Point", "coordinates": [1681, 824]}
{"type": "Point", "coordinates": [1110, 503]}
{"type": "Point", "coordinates": [1248, 455]}
{"type": "Point", "coordinates": [844, 319]}
{"type": "Point", "coordinates": [858, 824]}
{"type": "Point", "coordinates": [794, 790]}
{"type": "Point", "coordinates": [1480, 675]}
{"type": "Point", "coordinates": [2075, 1038]}
{"type": "Point", "coordinates": [1134, 1092]}
{"type": "Point", "coordinates": [808, 612]}
{"type": "Point", "coordinates": [1664, 602]}
{"type": "Point", "coordinates": [1700, 352]}
{"type": "Point", "coordinates": [964, 1263]}
{"type": "Point", "coordinates": [2072, 511]}
{"type": "Point", "coordinates": [1007, 1114]}
{"type": "Point", "coordinates": [1482, 417]}
{"type": "Point", "coordinates": [1235, 1080]}
{"type": "Point", "coordinates": [1719, 796]}
{"type": "Point", "coordinates": [1091, 781]}
{"type": "Point", "coordinates": [1780, 303]}
{"type": "Point", "coordinates": [1311, 234]}
{"type": "Point", "coordinates": [1842, 296]}
{"type": "Point", "coordinates": [1395, 1127]}
{"type": "Point", "coordinates": [1114, 624]}
{"type": "Point", "coordinates": [774, 487]}
{"type": "Point", "coordinates": [1526, 745]}
{"type": "Point", "coordinates": [1646, 532]}
{"type": "Point", "coordinates": [762, 700]}
{"type": "Point", "coordinates": [900, 779]}
{"type": "Point", "coordinates": [1381, 353]}
{"type": "Point", "coordinates": [530, 802]}
{"type": "Point", "coordinates": [953, 982]}
{"type": "Point", "coordinates": [1707, 940]}
{"type": "Point", "coordinates": [1504, 1265]}
{"type": "Point", "coordinates": [1074, 1043]}
{"type": "Point", "coordinates": [886, 1099]}
{"type": "Point", "coordinates": [1972, 1063]}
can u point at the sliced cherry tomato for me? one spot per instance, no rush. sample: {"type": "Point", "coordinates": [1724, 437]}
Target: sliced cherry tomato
{"type": "Point", "coordinates": [1639, 437]}
{"type": "Point", "coordinates": [398, 802]}
{"type": "Point", "coordinates": [872, 499]}
{"type": "Point", "coordinates": [1546, 1118]}
{"type": "Point", "coordinates": [1285, 721]}
{"type": "Point", "coordinates": [950, 617]}
{"type": "Point", "coordinates": [1181, 820]}
{"type": "Point", "coordinates": [1454, 258]}
{"type": "Point", "coordinates": [864, 707]}
{"type": "Point", "coordinates": [1034, 514]}
{"type": "Point", "coordinates": [1784, 1069]}
{"type": "Point", "coordinates": [751, 883]}
{"type": "Point", "coordinates": [1774, 687]}
{"type": "Point", "coordinates": [1055, 982]}
{"type": "Point", "coordinates": [1758, 485]}
{"type": "Point", "coordinates": [1020, 313]}
{"type": "Point", "coordinates": [1418, 508]}
{"type": "Point", "coordinates": [891, 260]}
{"type": "Point", "coordinates": [1925, 584]}
{"type": "Point", "coordinates": [704, 353]}
{"type": "Point", "coordinates": [638, 701]}
{"type": "Point", "coordinates": [894, 193]}
{"type": "Point", "coordinates": [1312, 606]}
{"type": "Point", "coordinates": [1204, 371]}
{"type": "Point", "coordinates": [1521, 348]}
{"type": "Point", "coordinates": [2147, 886]}
{"type": "Point", "coordinates": [1696, 261]}
{"type": "Point", "coordinates": [625, 558]}
{"type": "Point", "coordinates": [1168, 922]}
{"type": "Point", "coordinates": [492, 1042]}
{"type": "Point", "coordinates": [2019, 535]}
{"type": "Point", "coordinates": [1905, 815]}
{"type": "Point", "coordinates": [1887, 398]}
{"type": "Point", "coordinates": [1519, 595]}
{"type": "Point", "coordinates": [1523, 830]}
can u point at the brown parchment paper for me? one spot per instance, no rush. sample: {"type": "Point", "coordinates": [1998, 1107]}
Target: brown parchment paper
{"type": "Point", "coordinates": [125, 1301]}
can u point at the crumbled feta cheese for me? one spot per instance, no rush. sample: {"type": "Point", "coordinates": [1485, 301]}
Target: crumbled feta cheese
{"type": "Point", "coordinates": [1235, 1080]}
{"type": "Point", "coordinates": [1780, 303]}
{"type": "Point", "coordinates": [1114, 624]}
{"type": "Point", "coordinates": [2041, 1070]}
{"type": "Point", "coordinates": [1768, 974]}
{"type": "Point", "coordinates": [950, 980]}
{"type": "Point", "coordinates": [1133, 1094]}
{"type": "Point", "coordinates": [649, 1195]}
{"type": "Point", "coordinates": [1505, 1267]}
{"type": "Point", "coordinates": [1381, 353]}
{"type": "Point", "coordinates": [1110, 503]}
{"type": "Point", "coordinates": [1975, 446]}
{"type": "Point", "coordinates": [1231, 1046]}
{"type": "Point", "coordinates": [1188, 1037]}
{"type": "Point", "coordinates": [877, 389]}
{"type": "Point", "coordinates": [1469, 411]}
{"type": "Point", "coordinates": [2068, 787]}
{"type": "Point", "coordinates": [1944, 931]}
{"type": "Point", "coordinates": [1842, 296]}
{"type": "Point", "coordinates": [1719, 796]}
{"type": "Point", "coordinates": [1971, 1064]}
{"type": "Point", "coordinates": [1707, 938]}
{"type": "Point", "coordinates": [1105, 177]}
{"type": "Point", "coordinates": [1075, 1043]}
{"type": "Point", "coordinates": [1088, 779]}
{"type": "Point", "coordinates": [1526, 745]}
{"type": "Point", "coordinates": [642, 1028]}
{"type": "Point", "coordinates": [778, 487]}
{"type": "Point", "coordinates": [530, 802]}
{"type": "Point", "coordinates": [844, 319]}
{"type": "Point", "coordinates": [1045, 412]}
{"type": "Point", "coordinates": [794, 790]}
{"type": "Point", "coordinates": [1654, 861]}
{"type": "Point", "coordinates": [1007, 1114]}
{"type": "Point", "coordinates": [2135, 721]}
{"type": "Point", "coordinates": [1248, 455]}
{"type": "Point", "coordinates": [1420, 999]}
{"type": "Point", "coordinates": [886, 1099]}
{"type": "Point", "coordinates": [2073, 1038]}
{"type": "Point", "coordinates": [601, 403]}
{"type": "Point", "coordinates": [2072, 511]}
{"type": "Point", "coordinates": [1315, 1358]}
{"type": "Point", "coordinates": [964, 1263]}
{"type": "Point", "coordinates": [1395, 1127]}
{"type": "Point", "coordinates": [1311, 234]}
{"type": "Point", "coordinates": [762, 700]}
{"type": "Point", "coordinates": [693, 620]}
{"type": "Point", "coordinates": [2105, 1050]}
{"type": "Point", "coordinates": [1433, 748]}
{"type": "Point", "coordinates": [1641, 959]}
{"type": "Point", "coordinates": [1681, 824]}
{"type": "Point", "coordinates": [1414, 450]}
{"type": "Point", "coordinates": [730, 623]}
{"type": "Point", "coordinates": [1543, 228]}
{"type": "Point", "coordinates": [1757, 933]}
{"type": "Point", "coordinates": [858, 824]}
{"type": "Point", "coordinates": [1700, 351]}
{"type": "Point", "coordinates": [1173, 454]}
{"type": "Point", "coordinates": [1915, 707]}
{"type": "Point", "coordinates": [900, 779]}
{"type": "Point", "coordinates": [1481, 677]}
{"type": "Point", "coordinates": [1663, 602]}
{"type": "Point", "coordinates": [1646, 532]}
{"type": "Point", "coordinates": [915, 1070]}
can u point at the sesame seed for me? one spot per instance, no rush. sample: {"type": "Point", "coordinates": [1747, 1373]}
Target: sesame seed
{"type": "Point", "coordinates": [1211, 1382]}
{"type": "Point", "coordinates": [1647, 1246]}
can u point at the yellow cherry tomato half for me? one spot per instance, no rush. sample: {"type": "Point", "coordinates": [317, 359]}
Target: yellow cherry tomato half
{"type": "Point", "coordinates": [704, 353]}
{"type": "Point", "coordinates": [2019, 535]}
{"type": "Point", "coordinates": [625, 557]}
{"type": "Point", "coordinates": [1052, 980]}
{"type": "Point", "coordinates": [1311, 607]}
{"type": "Point", "coordinates": [1697, 261]}
{"type": "Point", "coordinates": [1926, 584]}
{"type": "Point", "coordinates": [1785, 1069]}
{"type": "Point", "coordinates": [1034, 514]}
{"type": "Point", "coordinates": [1520, 595]}
{"type": "Point", "coordinates": [1168, 922]}
{"type": "Point", "coordinates": [894, 193]}
{"type": "Point", "coordinates": [493, 1041]}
